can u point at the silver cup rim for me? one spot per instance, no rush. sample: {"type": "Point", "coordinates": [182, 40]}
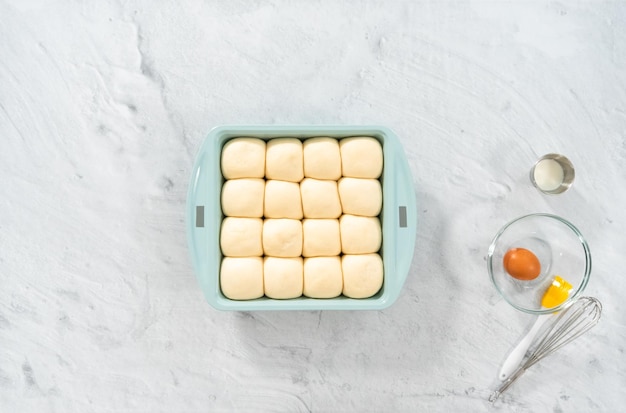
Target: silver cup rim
{"type": "Point", "coordinates": [568, 173]}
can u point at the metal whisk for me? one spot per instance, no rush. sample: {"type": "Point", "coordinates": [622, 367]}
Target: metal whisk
{"type": "Point", "coordinates": [571, 323]}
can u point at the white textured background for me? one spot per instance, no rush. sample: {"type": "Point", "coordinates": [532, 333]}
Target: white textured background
{"type": "Point", "coordinates": [103, 105]}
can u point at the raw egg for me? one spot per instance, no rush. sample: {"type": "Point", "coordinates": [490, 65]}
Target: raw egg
{"type": "Point", "coordinates": [521, 264]}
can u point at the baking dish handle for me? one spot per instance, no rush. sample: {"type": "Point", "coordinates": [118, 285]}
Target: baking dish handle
{"type": "Point", "coordinates": [405, 220]}
{"type": "Point", "coordinates": [199, 221]}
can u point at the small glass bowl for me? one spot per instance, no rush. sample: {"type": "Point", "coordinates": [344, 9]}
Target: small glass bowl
{"type": "Point", "coordinates": [561, 250]}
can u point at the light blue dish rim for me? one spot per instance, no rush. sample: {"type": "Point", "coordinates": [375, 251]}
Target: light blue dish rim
{"type": "Point", "coordinates": [204, 216]}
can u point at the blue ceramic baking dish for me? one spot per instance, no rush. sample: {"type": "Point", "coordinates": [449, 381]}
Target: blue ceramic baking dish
{"type": "Point", "coordinates": [204, 217]}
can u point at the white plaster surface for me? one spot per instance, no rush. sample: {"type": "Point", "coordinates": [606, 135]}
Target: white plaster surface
{"type": "Point", "coordinates": [103, 105]}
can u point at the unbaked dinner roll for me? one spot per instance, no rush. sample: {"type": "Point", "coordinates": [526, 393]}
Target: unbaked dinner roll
{"type": "Point", "coordinates": [362, 275]}
{"type": "Point", "coordinates": [282, 200]}
{"type": "Point", "coordinates": [283, 159]}
{"type": "Point", "coordinates": [241, 237]}
{"type": "Point", "coordinates": [360, 235]}
{"type": "Point", "coordinates": [322, 277]}
{"type": "Point", "coordinates": [243, 158]}
{"type": "Point", "coordinates": [361, 157]}
{"type": "Point", "coordinates": [242, 278]}
{"type": "Point", "coordinates": [243, 197]}
{"type": "Point", "coordinates": [320, 237]}
{"type": "Point", "coordinates": [282, 237]}
{"type": "Point", "coordinates": [320, 198]}
{"type": "Point", "coordinates": [360, 196]}
{"type": "Point", "coordinates": [321, 158]}
{"type": "Point", "coordinates": [283, 277]}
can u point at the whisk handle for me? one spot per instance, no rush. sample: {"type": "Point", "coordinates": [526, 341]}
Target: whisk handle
{"type": "Point", "coordinates": [516, 356]}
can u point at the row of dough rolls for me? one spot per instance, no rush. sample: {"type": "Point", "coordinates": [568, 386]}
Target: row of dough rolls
{"type": "Point", "coordinates": [355, 276]}
{"type": "Point", "coordinates": [311, 198]}
{"type": "Point", "coordinates": [289, 238]}
{"type": "Point", "coordinates": [290, 159]}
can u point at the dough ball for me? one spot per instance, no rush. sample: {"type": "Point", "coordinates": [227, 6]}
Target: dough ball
{"type": "Point", "coordinates": [321, 237]}
{"type": "Point", "coordinates": [360, 235]}
{"type": "Point", "coordinates": [242, 278]}
{"type": "Point", "coordinates": [282, 237]}
{"type": "Point", "coordinates": [322, 277]}
{"type": "Point", "coordinates": [322, 159]}
{"type": "Point", "coordinates": [243, 197]}
{"type": "Point", "coordinates": [241, 237]}
{"type": "Point", "coordinates": [283, 160]}
{"type": "Point", "coordinates": [243, 158]}
{"type": "Point", "coordinates": [360, 196]}
{"type": "Point", "coordinates": [362, 275]}
{"type": "Point", "coordinates": [361, 157]}
{"type": "Point", "coordinates": [320, 198]}
{"type": "Point", "coordinates": [283, 277]}
{"type": "Point", "coordinates": [282, 200]}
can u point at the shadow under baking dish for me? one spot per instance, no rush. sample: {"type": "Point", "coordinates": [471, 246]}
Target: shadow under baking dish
{"type": "Point", "coordinates": [204, 217]}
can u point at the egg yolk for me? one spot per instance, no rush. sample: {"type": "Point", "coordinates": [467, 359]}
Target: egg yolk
{"type": "Point", "coordinates": [557, 293]}
{"type": "Point", "coordinates": [521, 264]}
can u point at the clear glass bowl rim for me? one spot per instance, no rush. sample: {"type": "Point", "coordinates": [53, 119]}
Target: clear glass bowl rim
{"type": "Point", "coordinates": [581, 285]}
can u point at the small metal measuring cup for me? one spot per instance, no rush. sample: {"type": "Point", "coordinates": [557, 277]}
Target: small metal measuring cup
{"type": "Point", "coordinates": [568, 174]}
